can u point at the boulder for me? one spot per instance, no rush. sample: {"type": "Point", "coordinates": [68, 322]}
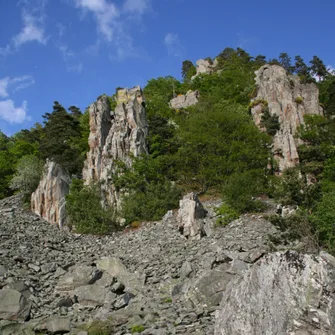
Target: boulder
{"type": "Point", "coordinates": [287, 98]}
{"type": "Point", "coordinates": [115, 136]}
{"type": "Point", "coordinates": [283, 293]}
{"type": "Point", "coordinates": [205, 66]}
{"type": "Point", "coordinates": [114, 267]}
{"type": "Point", "coordinates": [191, 216]}
{"type": "Point", "coordinates": [13, 305]}
{"type": "Point", "coordinates": [48, 201]}
{"type": "Point", "coordinates": [183, 101]}
{"type": "Point", "coordinates": [91, 295]}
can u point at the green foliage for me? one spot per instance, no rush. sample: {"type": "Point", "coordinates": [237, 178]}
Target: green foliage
{"type": "Point", "coordinates": [226, 215]}
{"type": "Point", "coordinates": [299, 99]}
{"type": "Point", "coordinates": [85, 212]}
{"type": "Point", "coordinates": [218, 140]}
{"type": "Point", "coordinates": [270, 123]}
{"type": "Point", "coordinates": [149, 194]}
{"type": "Point", "coordinates": [137, 329]}
{"type": "Point", "coordinates": [241, 188]}
{"type": "Point", "coordinates": [27, 176]}
{"type": "Point", "coordinates": [188, 70]}
{"type": "Point", "coordinates": [99, 327]}
{"type": "Point", "coordinates": [285, 62]}
{"type": "Point", "coordinates": [59, 133]}
{"type": "Point", "coordinates": [257, 102]}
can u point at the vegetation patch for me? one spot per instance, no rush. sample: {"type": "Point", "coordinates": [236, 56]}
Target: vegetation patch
{"type": "Point", "coordinates": [226, 215]}
{"type": "Point", "coordinates": [299, 100]}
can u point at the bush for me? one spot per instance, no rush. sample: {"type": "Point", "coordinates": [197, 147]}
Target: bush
{"type": "Point", "coordinates": [28, 173]}
{"type": "Point", "coordinates": [85, 212]}
{"type": "Point", "coordinates": [242, 188]}
{"type": "Point", "coordinates": [226, 215]}
{"type": "Point", "coordinates": [299, 99]}
{"type": "Point", "coordinates": [99, 327]}
{"type": "Point", "coordinates": [137, 329]}
{"type": "Point", "coordinates": [151, 203]}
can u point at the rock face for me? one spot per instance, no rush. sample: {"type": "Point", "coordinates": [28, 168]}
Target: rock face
{"type": "Point", "coordinates": [288, 99]}
{"type": "Point", "coordinates": [115, 136]}
{"type": "Point", "coordinates": [13, 305]}
{"type": "Point", "coordinates": [283, 293]}
{"type": "Point", "coordinates": [48, 201]}
{"type": "Point", "coordinates": [191, 216]}
{"type": "Point", "coordinates": [184, 101]}
{"type": "Point", "coordinates": [205, 66]}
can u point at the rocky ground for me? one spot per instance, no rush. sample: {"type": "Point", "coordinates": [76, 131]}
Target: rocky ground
{"type": "Point", "coordinates": [149, 280]}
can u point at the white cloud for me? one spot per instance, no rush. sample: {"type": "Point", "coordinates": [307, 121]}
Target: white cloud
{"type": "Point", "coordinates": [136, 6]}
{"type": "Point", "coordinates": [70, 60]}
{"type": "Point", "coordinates": [113, 23]}
{"type": "Point", "coordinates": [78, 68]}
{"type": "Point", "coordinates": [15, 83]}
{"type": "Point", "coordinates": [32, 31]}
{"type": "Point", "coordinates": [173, 45]}
{"type": "Point", "coordinates": [12, 114]}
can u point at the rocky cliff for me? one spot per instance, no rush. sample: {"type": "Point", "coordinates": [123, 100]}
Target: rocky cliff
{"type": "Point", "coordinates": [286, 97]}
{"type": "Point", "coordinates": [48, 201]}
{"type": "Point", "coordinates": [115, 136]}
{"type": "Point", "coordinates": [183, 101]}
{"type": "Point", "coordinates": [205, 66]}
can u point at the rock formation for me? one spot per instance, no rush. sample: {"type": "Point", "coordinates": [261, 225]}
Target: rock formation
{"type": "Point", "coordinates": [115, 136]}
{"type": "Point", "coordinates": [48, 201]}
{"type": "Point", "coordinates": [287, 98]}
{"type": "Point", "coordinates": [191, 216]}
{"type": "Point", "coordinates": [283, 293]}
{"type": "Point", "coordinates": [184, 101]}
{"type": "Point", "coordinates": [205, 66]}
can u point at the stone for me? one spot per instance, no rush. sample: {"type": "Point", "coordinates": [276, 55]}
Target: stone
{"type": "Point", "coordinates": [13, 305]}
{"type": "Point", "coordinates": [190, 217]}
{"type": "Point", "coordinates": [115, 136]}
{"type": "Point", "coordinates": [114, 267]}
{"type": "Point", "coordinates": [90, 295]}
{"type": "Point", "coordinates": [186, 270]}
{"type": "Point", "coordinates": [78, 275]}
{"type": "Point", "coordinates": [48, 201]}
{"type": "Point", "coordinates": [205, 66]}
{"type": "Point", "coordinates": [183, 101]}
{"type": "Point", "coordinates": [58, 325]}
{"type": "Point", "coordinates": [123, 300]}
{"type": "Point", "coordinates": [3, 271]}
{"type": "Point", "coordinates": [281, 90]}
{"type": "Point", "coordinates": [295, 291]}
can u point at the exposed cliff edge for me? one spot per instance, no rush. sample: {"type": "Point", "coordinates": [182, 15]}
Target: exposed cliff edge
{"type": "Point", "coordinates": [115, 136]}
{"type": "Point", "coordinates": [205, 66]}
{"type": "Point", "coordinates": [286, 97]}
{"type": "Point", "coordinates": [283, 293]}
{"type": "Point", "coordinates": [183, 101]}
{"type": "Point", "coordinates": [48, 201]}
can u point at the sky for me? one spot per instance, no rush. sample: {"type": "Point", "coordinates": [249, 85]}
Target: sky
{"type": "Point", "coordinates": [72, 51]}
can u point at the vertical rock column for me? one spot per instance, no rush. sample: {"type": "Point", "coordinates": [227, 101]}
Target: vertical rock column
{"type": "Point", "coordinates": [115, 136]}
{"type": "Point", "coordinates": [48, 201]}
{"type": "Point", "coordinates": [290, 101]}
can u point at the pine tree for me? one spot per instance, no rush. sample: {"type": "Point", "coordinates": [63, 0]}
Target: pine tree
{"type": "Point", "coordinates": [318, 68]}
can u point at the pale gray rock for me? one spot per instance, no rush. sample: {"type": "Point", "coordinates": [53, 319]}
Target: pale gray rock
{"type": "Point", "coordinates": [191, 216]}
{"type": "Point", "coordinates": [13, 305]}
{"type": "Point", "coordinates": [48, 201]}
{"type": "Point", "coordinates": [281, 92]}
{"type": "Point", "coordinates": [3, 271]}
{"type": "Point", "coordinates": [204, 66]}
{"type": "Point", "coordinates": [91, 295]}
{"type": "Point", "coordinates": [283, 293]}
{"type": "Point", "coordinates": [58, 325]}
{"type": "Point", "coordinates": [115, 136]}
{"type": "Point", "coordinates": [78, 275]}
{"type": "Point", "coordinates": [183, 101]}
{"type": "Point", "coordinates": [115, 268]}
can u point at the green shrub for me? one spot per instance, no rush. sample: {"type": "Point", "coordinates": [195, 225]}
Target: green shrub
{"type": "Point", "coordinates": [85, 212]}
{"type": "Point", "coordinates": [137, 329]}
{"type": "Point", "coordinates": [299, 99]}
{"type": "Point", "coordinates": [151, 203]}
{"type": "Point", "coordinates": [241, 189]}
{"type": "Point", "coordinates": [257, 102]}
{"type": "Point", "coordinates": [270, 123]}
{"type": "Point", "coordinates": [226, 215]}
{"type": "Point", "coordinates": [98, 327]}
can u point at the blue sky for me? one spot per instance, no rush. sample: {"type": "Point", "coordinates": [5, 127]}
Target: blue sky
{"type": "Point", "coordinates": [74, 50]}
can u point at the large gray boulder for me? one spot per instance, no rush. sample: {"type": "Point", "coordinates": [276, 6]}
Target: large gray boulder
{"type": "Point", "coordinates": [13, 305]}
{"type": "Point", "coordinates": [286, 97]}
{"type": "Point", "coordinates": [283, 293]}
{"type": "Point", "coordinates": [115, 136]}
{"type": "Point", "coordinates": [191, 216]}
{"type": "Point", "coordinates": [48, 201]}
{"type": "Point", "coordinates": [205, 66]}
